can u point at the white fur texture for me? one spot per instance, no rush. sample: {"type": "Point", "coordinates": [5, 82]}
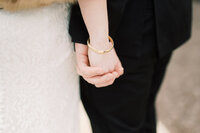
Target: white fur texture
{"type": "Point", "coordinates": [38, 81]}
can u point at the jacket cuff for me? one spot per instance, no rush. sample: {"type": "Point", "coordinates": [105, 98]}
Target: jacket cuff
{"type": "Point", "coordinates": [81, 39]}
{"type": "Point", "coordinates": [77, 28]}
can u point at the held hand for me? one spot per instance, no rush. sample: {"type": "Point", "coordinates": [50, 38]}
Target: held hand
{"type": "Point", "coordinates": [93, 75]}
{"type": "Point", "coordinates": [109, 62]}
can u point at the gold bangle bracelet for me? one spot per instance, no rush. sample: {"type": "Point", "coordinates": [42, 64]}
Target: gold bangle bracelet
{"type": "Point", "coordinates": [101, 51]}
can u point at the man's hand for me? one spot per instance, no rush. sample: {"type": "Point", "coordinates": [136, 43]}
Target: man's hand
{"type": "Point", "coordinates": [97, 75]}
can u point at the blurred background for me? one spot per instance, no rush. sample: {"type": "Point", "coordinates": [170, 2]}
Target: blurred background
{"type": "Point", "coordinates": [178, 102]}
{"type": "Point", "coordinates": [179, 99]}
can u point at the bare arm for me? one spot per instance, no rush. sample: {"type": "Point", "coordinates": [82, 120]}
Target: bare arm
{"type": "Point", "coordinates": [95, 16]}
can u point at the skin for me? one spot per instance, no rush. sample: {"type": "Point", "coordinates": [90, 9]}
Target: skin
{"type": "Point", "coordinates": [98, 69]}
{"type": "Point", "coordinates": [95, 75]}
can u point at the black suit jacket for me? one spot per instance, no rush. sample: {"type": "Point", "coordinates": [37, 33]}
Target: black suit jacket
{"type": "Point", "coordinates": [126, 24]}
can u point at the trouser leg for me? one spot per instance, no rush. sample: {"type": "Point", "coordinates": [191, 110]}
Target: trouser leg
{"type": "Point", "coordinates": [121, 107]}
{"type": "Point", "coordinates": [159, 73]}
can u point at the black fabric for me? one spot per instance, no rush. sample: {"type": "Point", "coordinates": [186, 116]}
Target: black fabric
{"type": "Point", "coordinates": [127, 106]}
{"type": "Point", "coordinates": [145, 33]}
{"type": "Point", "coordinates": [126, 18]}
{"type": "Point", "coordinates": [173, 23]}
{"type": "Point", "coordinates": [77, 28]}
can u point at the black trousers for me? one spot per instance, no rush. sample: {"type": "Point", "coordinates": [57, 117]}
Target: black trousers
{"type": "Point", "coordinates": [128, 106]}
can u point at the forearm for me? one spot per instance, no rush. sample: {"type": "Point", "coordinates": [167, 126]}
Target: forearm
{"type": "Point", "coordinates": [95, 16]}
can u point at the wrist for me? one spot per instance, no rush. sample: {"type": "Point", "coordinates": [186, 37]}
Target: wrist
{"type": "Point", "coordinates": [101, 42]}
{"type": "Point", "coordinates": [101, 47]}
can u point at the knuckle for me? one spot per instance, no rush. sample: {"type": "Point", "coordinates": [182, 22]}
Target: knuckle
{"type": "Point", "coordinates": [111, 69]}
{"type": "Point", "coordinates": [106, 70]}
{"type": "Point", "coordinates": [82, 71]}
{"type": "Point", "coordinates": [111, 82]}
{"type": "Point", "coordinates": [86, 73]}
{"type": "Point", "coordinates": [89, 81]}
{"type": "Point", "coordinates": [105, 79]}
{"type": "Point", "coordinates": [97, 86]}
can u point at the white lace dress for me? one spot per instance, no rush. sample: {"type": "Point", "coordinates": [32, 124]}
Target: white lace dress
{"type": "Point", "coordinates": [38, 81]}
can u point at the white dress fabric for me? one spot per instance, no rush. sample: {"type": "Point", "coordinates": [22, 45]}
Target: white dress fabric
{"type": "Point", "coordinates": [38, 81]}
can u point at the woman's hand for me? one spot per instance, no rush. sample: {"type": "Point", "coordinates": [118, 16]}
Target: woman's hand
{"type": "Point", "coordinates": [109, 62]}
{"type": "Point", "coordinates": [95, 75]}
{"type": "Point", "coordinates": [95, 16]}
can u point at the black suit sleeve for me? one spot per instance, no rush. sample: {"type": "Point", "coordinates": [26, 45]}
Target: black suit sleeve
{"type": "Point", "coordinates": [77, 28]}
